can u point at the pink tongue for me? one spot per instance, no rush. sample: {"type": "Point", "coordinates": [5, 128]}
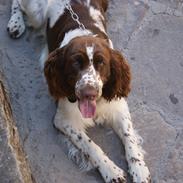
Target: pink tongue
{"type": "Point", "coordinates": [87, 108]}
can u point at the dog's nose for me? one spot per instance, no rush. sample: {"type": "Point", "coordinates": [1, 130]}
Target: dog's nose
{"type": "Point", "coordinates": [89, 93]}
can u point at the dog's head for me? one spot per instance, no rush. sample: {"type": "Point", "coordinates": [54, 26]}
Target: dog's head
{"type": "Point", "coordinates": [85, 70]}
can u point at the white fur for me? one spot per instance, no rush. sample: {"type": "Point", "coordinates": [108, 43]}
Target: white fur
{"type": "Point", "coordinates": [110, 44]}
{"type": "Point", "coordinates": [74, 127]}
{"type": "Point", "coordinates": [90, 52]}
{"type": "Point", "coordinates": [36, 11]}
{"type": "Point", "coordinates": [39, 11]}
{"type": "Point", "coordinates": [116, 114]}
{"type": "Point", "coordinates": [89, 77]}
{"type": "Point", "coordinates": [72, 34]}
{"type": "Point", "coordinates": [134, 154]}
{"type": "Point", "coordinates": [43, 56]}
{"type": "Point", "coordinates": [98, 18]}
{"type": "Point", "coordinates": [87, 3]}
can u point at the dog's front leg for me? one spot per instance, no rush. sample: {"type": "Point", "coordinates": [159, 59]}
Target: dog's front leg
{"type": "Point", "coordinates": [134, 154]}
{"type": "Point", "coordinates": [109, 171]}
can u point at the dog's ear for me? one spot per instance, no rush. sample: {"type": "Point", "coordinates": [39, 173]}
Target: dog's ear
{"type": "Point", "coordinates": [54, 73]}
{"type": "Point", "coordinates": [118, 84]}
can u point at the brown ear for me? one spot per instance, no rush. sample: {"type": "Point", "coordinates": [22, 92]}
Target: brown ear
{"type": "Point", "coordinates": [54, 73]}
{"type": "Point", "coordinates": [118, 84]}
{"type": "Point", "coordinates": [104, 5]}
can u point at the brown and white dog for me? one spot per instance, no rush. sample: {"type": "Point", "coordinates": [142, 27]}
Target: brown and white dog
{"type": "Point", "coordinates": [87, 77]}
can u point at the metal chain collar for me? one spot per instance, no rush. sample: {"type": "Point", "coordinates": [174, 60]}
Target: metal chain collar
{"type": "Point", "coordinates": [75, 17]}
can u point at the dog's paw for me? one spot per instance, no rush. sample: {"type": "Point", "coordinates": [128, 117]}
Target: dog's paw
{"type": "Point", "coordinates": [113, 174]}
{"type": "Point", "coordinates": [118, 180]}
{"type": "Point", "coordinates": [116, 176]}
{"type": "Point", "coordinates": [139, 172]}
{"type": "Point", "coordinates": [16, 25]}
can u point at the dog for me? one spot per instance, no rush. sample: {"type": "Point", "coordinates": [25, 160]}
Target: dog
{"type": "Point", "coordinates": [87, 77]}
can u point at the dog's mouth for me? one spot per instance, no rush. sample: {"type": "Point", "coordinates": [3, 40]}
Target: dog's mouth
{"type": "Point", "coordinates": [87, 98]}
{"type": "Point", "coordinates": [87, 107]}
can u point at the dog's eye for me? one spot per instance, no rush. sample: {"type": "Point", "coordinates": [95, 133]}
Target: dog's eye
{"type": "Point", "coordinates": [100, 61]}
{"type": "Point", "coordinates": [79, 58]}
{"type": "Point", "coordinates": [78, 61]}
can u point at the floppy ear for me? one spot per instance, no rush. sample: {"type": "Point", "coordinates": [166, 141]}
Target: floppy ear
{"type": "Point", "coordinates": [118, 84]}
{"type": "Point", "coordinates": [54, 73]}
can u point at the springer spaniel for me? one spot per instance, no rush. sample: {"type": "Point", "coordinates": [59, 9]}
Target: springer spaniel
{"type": "Point", "coordinates": [87, 77]}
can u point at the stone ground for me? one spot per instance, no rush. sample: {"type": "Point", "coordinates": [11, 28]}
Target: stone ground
{"type": "Point", "coordinates": [150, 34]}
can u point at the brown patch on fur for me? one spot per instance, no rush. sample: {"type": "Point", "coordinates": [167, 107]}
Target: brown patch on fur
{"type": "Point", "coordinates": [118, 85]}
{"type": "Point", "coordinates": [55, 76]}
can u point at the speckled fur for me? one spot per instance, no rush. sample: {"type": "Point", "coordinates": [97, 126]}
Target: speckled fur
{"type": "Point", "coordinates": [89, 77]}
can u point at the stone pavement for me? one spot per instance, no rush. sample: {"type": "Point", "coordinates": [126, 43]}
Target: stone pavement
{"type": "Point", "coordinates": [150, 34]}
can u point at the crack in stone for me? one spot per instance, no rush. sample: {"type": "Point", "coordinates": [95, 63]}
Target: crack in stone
{"type": "Point", "coordinates": [13, 136]}
{"type": "Point", "coordinates": [169, 119]}
{"type": "Point", "coordinates": [148, 16]}
{"type": "Point", "coordinates": [144, 21]}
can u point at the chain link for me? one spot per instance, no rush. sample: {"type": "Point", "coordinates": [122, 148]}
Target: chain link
{"type": "Point", "coordinates": [75, 17]}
